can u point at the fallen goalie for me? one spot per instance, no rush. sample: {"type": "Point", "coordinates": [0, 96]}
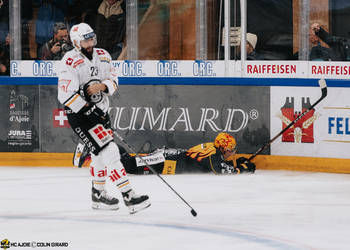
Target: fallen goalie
{"type": "Point", "coordinates": [218, 157]}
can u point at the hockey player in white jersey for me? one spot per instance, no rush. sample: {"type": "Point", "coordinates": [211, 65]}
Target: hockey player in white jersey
{"type": "Point", "coordinates": [86, 79]}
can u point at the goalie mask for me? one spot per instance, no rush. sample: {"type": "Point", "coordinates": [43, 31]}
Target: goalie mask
{"type": "Point", "coordinates": [82, 36]}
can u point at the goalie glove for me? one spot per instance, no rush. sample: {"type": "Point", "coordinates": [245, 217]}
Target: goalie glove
{"type": "Point", "coordinates": [244, 166]}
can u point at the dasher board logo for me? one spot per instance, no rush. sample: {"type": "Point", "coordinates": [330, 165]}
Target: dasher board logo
{"type": "Point", "coordinates": [20, 135]}
{"type": "Point", "coordinates": [60, 118]}
{"type": "Point", "coordinates": [182, 118]}
{"type": "Point", "coordinates": [18, 108]}
{"type": "Point", "coordinates": [303, 130]}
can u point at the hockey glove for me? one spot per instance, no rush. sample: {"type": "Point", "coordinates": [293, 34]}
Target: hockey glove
{"type": "Point", "coordinates": [245, 166]}
{"type": "Point", "coordinates": [95, 114]}
{"type": "Point", "coordinates": [227, 168]}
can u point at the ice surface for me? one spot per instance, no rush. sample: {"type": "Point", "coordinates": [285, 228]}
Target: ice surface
{"type": "Point", "coordinates": [268, 210]}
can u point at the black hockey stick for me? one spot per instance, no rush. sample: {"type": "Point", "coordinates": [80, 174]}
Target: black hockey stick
{"type": "Point", "coordinates": [323, 86]}
{"type": "Point", "coordinates": [193, 212]}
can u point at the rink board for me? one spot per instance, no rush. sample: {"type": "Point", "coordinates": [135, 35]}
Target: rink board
{"type": "Point", "coordinates": [147, 116]}
{"type": "Point", "coordinates": [323, 132]}
{"type": "Point", "coordinates": [263, 162]}
{"type": "Point", "coordinates": [150, 112]}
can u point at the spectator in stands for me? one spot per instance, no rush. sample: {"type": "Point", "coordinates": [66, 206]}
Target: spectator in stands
{"type": "Point", "coordinates": [252, 39]}
{"type": "Point", "coordinates": [252, 54]}
{"type": "Point", "coordinates": [340, 45]}
{"type": "Point", "coordinates": [110, 26]}
{"type": "Point", "coordinates": [5, 56]}
{"type": "Point", "coordinates": [317, 51]}
{"type": "Point", "coordinates": [57, 47]}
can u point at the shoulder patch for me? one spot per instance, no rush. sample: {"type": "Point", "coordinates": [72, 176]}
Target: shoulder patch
{"type": "Point", "coordinates": [100, 52]}
{"type": "Point", "coordinates": [104, 59]}
{"type": "Point", "coordinates": [69, 61]}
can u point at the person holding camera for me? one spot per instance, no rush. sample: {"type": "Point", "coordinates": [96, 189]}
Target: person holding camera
{"type": "Point", "coordinates": [340, 45]}
{"type": "Point", "coordinates": [57, 47]}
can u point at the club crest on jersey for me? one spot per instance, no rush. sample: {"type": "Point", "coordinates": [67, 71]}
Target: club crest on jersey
{"type": "Point", "coordinates": [69, 61]}
{"type": "Point", "coordinates": [100, 52]}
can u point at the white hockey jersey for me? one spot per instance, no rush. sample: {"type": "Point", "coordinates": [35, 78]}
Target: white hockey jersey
{"type": "Point", "coordinates": [77, 71]}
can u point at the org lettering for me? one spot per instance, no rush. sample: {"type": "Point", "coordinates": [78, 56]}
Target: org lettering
{"type": "Point", "coordinates": [132, 68]}
{"type": "Point", "coordinates": [14, 69]}
{"type": "Point", "coordinates": [167, 68]}
{"type": "Point", "coordinates": [41, 68]}
{"type": "Point", "coordinates": [203, 68]}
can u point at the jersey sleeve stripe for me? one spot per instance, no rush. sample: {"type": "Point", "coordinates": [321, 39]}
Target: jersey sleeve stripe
{"type": "Point", "coordinates": [72, 100]}
{"type": "Point", "coordinates": [75, 103]}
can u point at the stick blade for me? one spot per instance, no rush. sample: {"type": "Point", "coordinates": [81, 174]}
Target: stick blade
{"type": "Point", "coordinates": [322, 83]}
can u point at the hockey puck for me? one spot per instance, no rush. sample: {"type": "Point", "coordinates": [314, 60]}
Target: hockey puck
{"type": "Point", "coordinates": [194, 213]}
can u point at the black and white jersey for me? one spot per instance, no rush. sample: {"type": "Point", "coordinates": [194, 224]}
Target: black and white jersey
{"type": "Point", "coordinates": [77, 72]}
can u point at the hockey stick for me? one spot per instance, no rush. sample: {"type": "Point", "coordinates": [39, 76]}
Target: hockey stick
{"type": "Point", "coordinates": [323, 86]}
{"type": "Point", "coordinates": [193, 212]}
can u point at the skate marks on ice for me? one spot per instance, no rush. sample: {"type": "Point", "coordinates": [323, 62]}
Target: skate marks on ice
{"type": "Point", "coordinates": [268, 210]}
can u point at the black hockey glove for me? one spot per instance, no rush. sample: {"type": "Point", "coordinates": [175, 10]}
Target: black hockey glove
{"type": "Point", "coordinates": [227, 168]}
{"type": "Point", "coordinates": [95, 115]}
{"type": "Point", "coordinates": [244, 165]}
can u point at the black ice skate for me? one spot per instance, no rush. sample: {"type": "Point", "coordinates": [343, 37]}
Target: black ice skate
{"type": "Point", "coordinates": [100, 200]}
{"type": "Point", "coordinates": [135, 202]}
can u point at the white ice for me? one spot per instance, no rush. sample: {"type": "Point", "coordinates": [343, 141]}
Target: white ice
{"type": "Point", "coordinates": [267, 210]}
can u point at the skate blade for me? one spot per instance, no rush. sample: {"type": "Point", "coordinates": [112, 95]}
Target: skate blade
{"type": "Point", "coordinates": [136, 208]}
{"type": "Point", "coordinates": [101, 206]}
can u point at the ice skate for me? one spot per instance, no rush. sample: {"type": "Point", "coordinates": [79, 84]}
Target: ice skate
{"type": "Point", "coordinates": [135, 202]}
{"type": "Point", "coordinates": [100, 200]}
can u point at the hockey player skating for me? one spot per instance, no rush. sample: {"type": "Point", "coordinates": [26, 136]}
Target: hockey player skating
{"type": "Point", "coordinates": [218, 157]}
{"type": "Point", "coordinates": [86, 79]}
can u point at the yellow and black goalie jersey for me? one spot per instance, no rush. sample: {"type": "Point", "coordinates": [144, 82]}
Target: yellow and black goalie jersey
{"type": "Point", "coordinates": [203, 158]}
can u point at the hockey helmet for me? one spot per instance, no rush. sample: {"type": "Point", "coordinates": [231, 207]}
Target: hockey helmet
{"type": "Point", "coordinates": [225, 141]}
{"type": "Point", "coordinates": [82, 35]}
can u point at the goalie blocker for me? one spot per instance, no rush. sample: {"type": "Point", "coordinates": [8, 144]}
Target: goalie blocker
{"type": "Point", "coordinates": [218, 157]}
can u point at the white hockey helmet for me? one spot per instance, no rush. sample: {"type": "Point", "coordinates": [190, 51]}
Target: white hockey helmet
{"type": "Point", "coordinates": [82, 35]}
